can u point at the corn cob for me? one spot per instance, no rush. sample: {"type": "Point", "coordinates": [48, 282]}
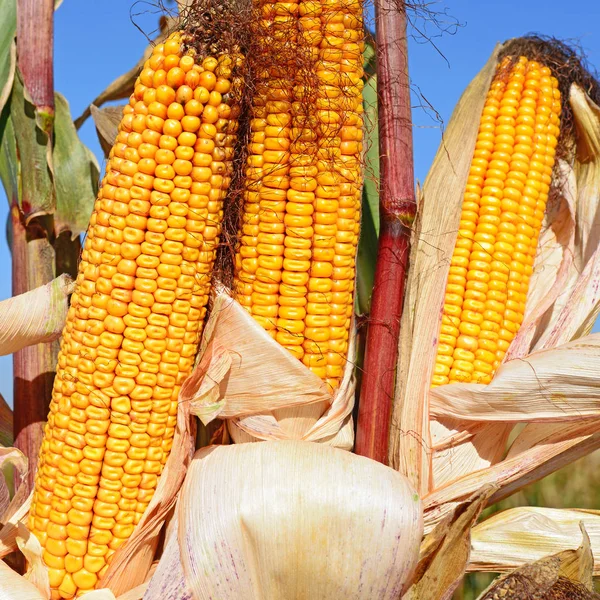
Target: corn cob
{"type": "Point", "coordinates": [504, 203]}
{"type": "Point", "coordinates": [295, 264]}
{"type": "Point", "coordinates": [136, 314]}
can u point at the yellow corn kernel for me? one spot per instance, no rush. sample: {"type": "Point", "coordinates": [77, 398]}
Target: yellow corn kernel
{"type": "Point", "coordinates": [502, 212]}
{"type": "Point", "coordinates": [135, 317]}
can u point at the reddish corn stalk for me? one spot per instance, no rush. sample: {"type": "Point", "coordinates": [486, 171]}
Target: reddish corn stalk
{"type": "Point", "coordinates": [33, 256]}
{"type": "Point", "coordinates": [35, 52]}
{"type": "Point", "coordinates": [397, 209]}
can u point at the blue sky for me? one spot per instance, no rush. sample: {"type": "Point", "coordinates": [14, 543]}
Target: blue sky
{"type": "Point", "coordinates": [97, 41]}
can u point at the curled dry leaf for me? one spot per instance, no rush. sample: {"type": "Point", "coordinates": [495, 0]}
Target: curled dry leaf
{"type": "Point", "coordinates": [297, 520]}
{"type": "Point", "coordinates": [291, 401]}
{"type": "Point", "coordinates": [9, 532]}
{"type": "Point", "coordinates": [6, 425]}
{"type": "Point", "coordinates": [563, 576]}
{"type": "Point", "coordinates": [107, 121]}
{"type": "Point", "coordinates": [15, 587]}
{"type": "Point", "coordinates": [37, 571]}
{"type": "Point", "coordinates": [513, 537]}
{"type": "Point", "coordinates": [558, 384]}
{"type": "Point", "coordinates": [34, 317]}
{"type": "Point", "coordinates": [445, 551]}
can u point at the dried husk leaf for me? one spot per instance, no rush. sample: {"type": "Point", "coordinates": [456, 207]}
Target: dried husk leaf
{"type": "Point", "coordinates": [6, 424]}
{"type": "Point", "coordinates": [576, 309]}
{"type": "Point", "coordinates": [298, 520]}
{"type": "Point", "coordinates": [514, 537]}
{"type": "Point", "coordinates": [9, 532]}
{"type": "Point", "coordinates": [15, 587]}
{"type": "Point", "coordinates": [36, 316]}
{"type": "Point", "coordinates": [559, 384]}
{"type": "Point", "coordinates": [548, 448]}
{"type": "Point", "coordinates": [107, 121]}
{"type": "Point", "coordinates": [168, 581]}
{"type": "Point", "coordinates": [566, 575]}
{"type": "Point", "coordinates": [445, 552]}
{"type": "Point", "coordinates": [131, 564]}
{"type": "Point", "coordinates": [291, 402]}
{"type": "Point", "coordinates": [37, 572]}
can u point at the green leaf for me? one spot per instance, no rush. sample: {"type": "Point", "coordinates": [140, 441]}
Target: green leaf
{"type": "Point", "coordinates": [75, 174]}
{"type": "Point", "coordinates": [8, 48]}
{"type": "Point", "coordinates": [9, 168]}
{"type": "Point", "coordinates": [37, 190]}
{"type": "Point", "coordinates": [367, 246]}
{"type": "Point", "coordinates": [6, 423]}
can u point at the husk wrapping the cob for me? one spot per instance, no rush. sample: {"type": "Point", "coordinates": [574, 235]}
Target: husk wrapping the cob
{"type": "Point", "coordinates": [243, 375]}
{"type": "Point", "coordinates": [446, 450]}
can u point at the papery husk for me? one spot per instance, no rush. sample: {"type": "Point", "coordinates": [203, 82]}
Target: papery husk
{"type": "Point", "coordinates": [558, 384]}
{"type": "Point", "coordinates": [168, 581]}
{"type": "Point", "coordinates": [15, 587]}
{"type": "Point", "coordinates": [36, 316]}
{"type": "Point", "coordinates": [10, 530]}
{"type": "Point", "coordinates": [131, 564]}
{"type": "Point", "coordinates": [544, 451]}
{"type": "Point", "coordinates": [260, 389]}
{"type": "Point", "coordinates": [37, 572]}
{"type": "Point", "coordinates": [445, 551]}
{"type": "Point", "coordinates": [470, 428]}
{"type": "Point", "coordinates": [566, 575]}
{"type": "Point", "coordinates": [514, 537]}
{"type": "Point", "coordinates": [296, 520]}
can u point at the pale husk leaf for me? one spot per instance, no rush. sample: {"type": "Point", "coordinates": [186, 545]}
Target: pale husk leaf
{"type": "Point", "coordinates": [37, 572]}
{"type": "Point", "coordinates": [15, 587]}
{"type": "Point", "coordinates": [430, 259]}
{"type": "Point", "coordinates": [9, 532]}
{"type": "Point", "coordinates": [511, 538]}
{"type": "Point", "coordinates": [577, 306]}
{"type": "Point", "coordinates": [131, 564]}
{"type": "Point", "coordinates": [559, 384]}
{"type": "Point", "coordinates": [265, 393]}
{"type": "Point", "coordinates": [168, 581]}
{"type": "Point", "coordinates": [36, 316]}
{"type": "Point", "coordinates": [107, 121]}
{"type": "Point", "coordinates": [298, 520]}
{"type": "Point", "coordinates": [549, 449]}
{"type": "Point", "coordinates": [445, 551]}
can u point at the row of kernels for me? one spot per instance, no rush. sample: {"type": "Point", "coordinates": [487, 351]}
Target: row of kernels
{"type": "Point", "coordinates": [502, 207]}
{"type": "Point", "coordinates": [452, 321]}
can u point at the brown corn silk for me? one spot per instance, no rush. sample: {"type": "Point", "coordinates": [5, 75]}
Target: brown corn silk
{"type": "Point", "coordinates": [295, 260]}
{"type": "Point", "coordinates": [504, 202]}
{"type": "Point", "coordinates": [138, 308]}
